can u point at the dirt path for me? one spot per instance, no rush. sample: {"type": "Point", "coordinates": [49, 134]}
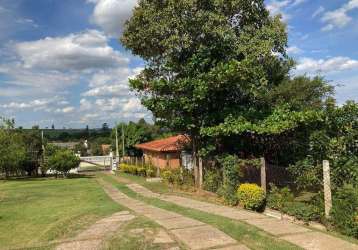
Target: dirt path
{"type": "Point", "coordinates": [93, 237]}
{"type": "Point", "coordinates": [192, 233]}
{"type": "Point", "coordinates": [296, 234]}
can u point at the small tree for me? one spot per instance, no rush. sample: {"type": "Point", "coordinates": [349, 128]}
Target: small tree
{"type": "Point", "coordinates": [63, 161]}
{"type": "Point", "coordinates": [12, 149]}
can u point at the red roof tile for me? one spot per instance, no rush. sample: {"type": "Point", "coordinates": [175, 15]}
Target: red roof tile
{"type": "Point", "coordinates": [171, 144]}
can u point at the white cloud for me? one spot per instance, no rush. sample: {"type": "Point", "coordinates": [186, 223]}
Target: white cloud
{"type": "Point", "coordinates": [282, 6]}
{"type": "Point", "coordinates": [276, 7]}
{"type": "Point", "coordinates": [65, 110]}
{"type": "Point", "coordinates": [81, 51]}
{"type": "Point", "coordinates": [339, 18]}
{"type": "Point", "coordinates": [326, 66]}
{"type": "Point", "coordinates": [111, 82]}
{"type": "Point", "coordinates": [319, 11]}
{"type": "Point", "coordinates": [294, 50]}
{"type": "Point", "coordinates": [298, 2]}
{"type": "Point", "coordinates": [111, 15]}
{"type": "Point", "coordinates": [44, 104]}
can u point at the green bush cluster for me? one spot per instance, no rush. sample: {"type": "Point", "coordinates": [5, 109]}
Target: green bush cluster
{"type": "Point", "coordinates": [231, 179]}
{"type": "Point", "coordinates": [284, 201]}
{"type": "Point", "coordinates": [344, 213]}
{"type": "Point", "coordinates": [251, 196]}
{"type": "Point", "coordinates": [146, 170]}
{"type": "Point", "coordinates": [178, 177]}
{"type": "Point", "coordinates": [212, 180]}
{"type": "Point", "coordinates": [302, 211]}
{"type": "Point", "coordinates": [276, 197]}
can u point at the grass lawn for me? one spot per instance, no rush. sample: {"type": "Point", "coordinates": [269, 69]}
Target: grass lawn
{"type": "Point", "coordinates": [162, 188]}
{"type": "Point", "coordinates": [250, 236]}
{"type": "Point", "coordinates": [34, 212]}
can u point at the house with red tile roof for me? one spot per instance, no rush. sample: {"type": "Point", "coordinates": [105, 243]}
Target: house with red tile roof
{"type": "Point", "coordinates": [164, 153]}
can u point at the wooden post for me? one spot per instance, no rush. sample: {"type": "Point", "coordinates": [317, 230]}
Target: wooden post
{"type": "Point", "coordinates": [327, 188]}
{"type": "Point", "coordinates": [136, 161]}
{"type": "Point", "coordinates": [263, 174]}
{"type": "Point", "coordinates": [200, 173]}
{"type": "Point", "coordinates": [196, 171]}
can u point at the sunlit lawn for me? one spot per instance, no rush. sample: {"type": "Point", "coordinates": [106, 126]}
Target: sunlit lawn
{"type": "Point", "coordinates": [37, 211]}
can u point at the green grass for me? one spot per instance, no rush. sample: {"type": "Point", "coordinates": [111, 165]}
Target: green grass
{"type": "Point", "coordinates": [127, 239]}
{"type": "Point", "coordinates": [251, 236]}
{"type": "Point", "coordinates": [157, 187]}
{"type": "Point", "coordinates": [34, 212]}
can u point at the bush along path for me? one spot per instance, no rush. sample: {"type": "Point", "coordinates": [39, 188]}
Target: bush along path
{"type": "Point", "coordinates": [296, 234]}
{"type": "Point", "coordinates": [192, 233]}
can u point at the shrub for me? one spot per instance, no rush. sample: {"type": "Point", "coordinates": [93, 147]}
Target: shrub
{"type": "Point", "coordinates": [63, 161]}
{"type": "Point", "coordinates": [177, 177]}
{"type": "Point", "coordinates": [167, 176]}
{"type": "Point", "coordinates": [251, 196]}
{"type": "Point", "coordinates": [141, 171]}
{"type": "Point", "coordinates": [302, 211]}
{"type": "Point", "coordinates": [277, 197]}
{"type": "Point", "coordinates": [212, 181]}
{"type": "Point", "coordinates": [188, 177]}
{"type": "Point", "coordinates": [344, 213]}
{"type": "Point", "coordinates": [231, 179]}
{"type": "Point", "coordinates": [150, 171]}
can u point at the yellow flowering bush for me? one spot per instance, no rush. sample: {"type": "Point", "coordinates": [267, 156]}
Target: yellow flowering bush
{"type": "Point", "coordinates": [251, 196]}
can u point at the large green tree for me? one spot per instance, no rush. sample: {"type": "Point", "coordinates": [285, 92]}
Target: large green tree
{"type": "Point", "coordinates": [214, 70]}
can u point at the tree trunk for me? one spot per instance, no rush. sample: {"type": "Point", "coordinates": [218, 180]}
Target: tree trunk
{"type": "Point", "coordinates": [195, 162]}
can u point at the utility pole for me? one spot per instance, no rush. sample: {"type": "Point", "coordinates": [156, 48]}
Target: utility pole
{"type": "Point", "coordinates": [117, 150]}
{"type": "Point", "coordinates": [123, 152]}
{"type": "Point", "coordinates": [43, 153]}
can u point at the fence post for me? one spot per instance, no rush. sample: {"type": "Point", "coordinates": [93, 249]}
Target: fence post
{"type": "Point", "coordinates": [327, 188]}
{"type": "Point", "coordinates": [263, 174]}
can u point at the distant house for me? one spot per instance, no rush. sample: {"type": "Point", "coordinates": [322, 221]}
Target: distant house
{"type": "Point", "coordinates": [164, 153]}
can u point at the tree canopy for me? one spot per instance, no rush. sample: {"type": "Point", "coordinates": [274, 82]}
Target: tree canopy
{"type": "Point", "coordinates": [219, 68]}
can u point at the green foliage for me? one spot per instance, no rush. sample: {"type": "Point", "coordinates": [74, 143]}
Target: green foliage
{"type": "Point", "coordinates": [277, 197]}
{"type": "Point", "coordinates": [345, 211]}
{"type": "Point", "coordinates": [336, 141]}
{"type": "Point", "coordinates": [280, 121]}
{"type": "Point", "coordinates": [145, 171]}
{"type": "Point", "coordinates": [251, 196]}
{"type": "Point", "coordinates": [63, 161]}
{"type": "Point", "coordinates": [173, 177]}
{"type": "Point", "coordinates": [307, 174]}
{"type": "Point", "coordinates": [231, 178]}
{"type": "Point", "coordinates": [217, 68]}
{"type": "Point", "coordinates": [135, 133]}
{"type": "Point", "coordinates": [34, 154]}
{"type": "Point", "coordinates": [168, 176]}
{"type": "Point", "coordinates": [212, 180]}
{"type": "Point", "coordinates": [12, 149]}
{"type": "Point", "coordinates": [302, 211]}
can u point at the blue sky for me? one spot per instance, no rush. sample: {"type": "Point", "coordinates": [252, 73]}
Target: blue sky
{"type": "Point", "coordinates": [61, 62]}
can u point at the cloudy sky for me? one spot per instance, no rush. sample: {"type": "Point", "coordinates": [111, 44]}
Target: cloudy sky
{"type": "Point", "coordinates": [61, 62]}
